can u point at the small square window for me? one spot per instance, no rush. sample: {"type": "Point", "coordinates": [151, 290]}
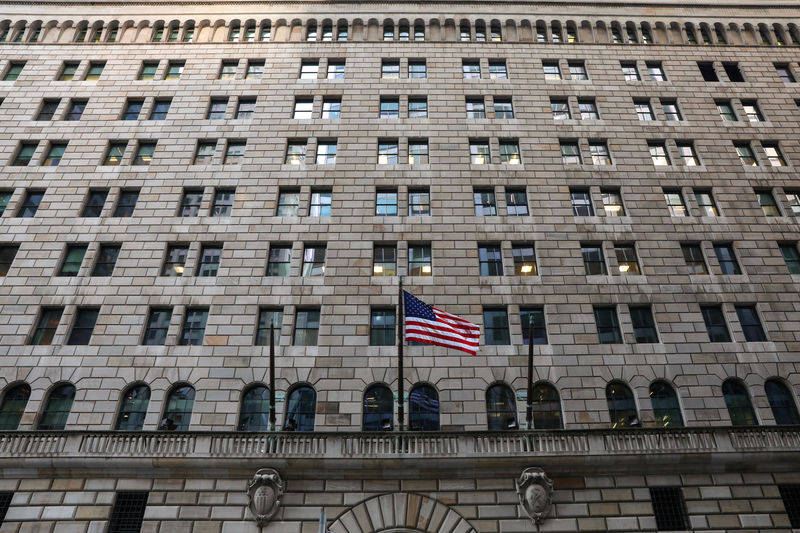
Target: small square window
{"type": "Point", "coordinates": [175, 261]}
{"type": "Point", "coordinates": [24, 154]}
{"type": "Point", "coordinates": [386, 203]}
{"type": "Point", "coordinates": [490, 260]}
{"type": "Point", "coordinates": [384, 260]}
{"type": "Point", "coordinates": [751, 325]}
{"type": "Point", "coordinates": [174, 70]}
{"type": "Point", "coordinates": [390, 69]}
{"type": "Point", "coordinates": [9, 252]}
{"type": "Point", "coordinates": [419, 202]}
{"type": "Point", "coordinates": [336, 69]}
{"type": "Point", "coordinates": [577, 70]}
{"type": "Point", "coordinates": [72, 260]}
{"type": "Point", "coordinates": [210, 257]}
{"type": "Point", "coordinates": [479, 152]}
{"type": "Point", "coordinates": [600, 153]}
{"type": "Point", "coordinates": [303, 108]}
{"type": "Point", "coordinates": [418, 107]}
{"type": "Point", "coordinates": [475, 108]}
{"type": "Point", "coordinates": [160, 109]}
{"type": "Point", "coordinates": [607, 323]}
{"type": "Point", "coordinates": [387, 152]}
{"type": "Point", "coordinates": [767, 203]}
{"type": "Point", "coordinates": [48, 109]}
{"type": "Point", "coordinates": [68, 70]}
{"type": "Point", "coordinates": [144, 153]}
{"type": "Point", "coordinates": [116, 150]}
{"type": "Point", "coordinates": [484, 201]}
{"type": "Point", "coordinates": [707, 71]}
{"type": "Point", "coordinates": [533, 316]}
{"type": "Point", "coordinates": [497, 70]}
{"type": "Point", "coordinates": [581, 203]}
{"type": "Point", "coordinates": [726, 110]}
{"type": "Point", "coordinates": [551, 70]}
{"type": "Point", "coordinates": [245, 108]}
{"type": "Point", "coordinates": [715, 323]}
{"type": "Point", "coordinates": [688, 154]}
{"type": "Point", "coordinates": [417, 151]}
{"type": "Point", "coordinates": [588, 109]}
{"type": "Point", "coordinates": [774, 155]}
{"type": "Point", "coordinates": [570, 153]}
{"type": "Point", "coordinates": [279, 260]}
{"type": "Point", "coordinates": [314, 261]}
{"type": "Point", "coordinates": [234, 152]}
{"type": "Point", "coordinates": [94, 203]}
{"type": "Point", "coordinates": [593, 259]}
{"type": "Point", "coordinates": [30, 204]}
{"type": "Point", "coordinates": [693, 256]}
{"type": "Point", "coordinates": [560, 109]}
{"type": "Point", "coordinates": [656, 72]}
{"type": "Point", "coordinates": [470, 69]}
{"type": "Point", "coordinates": [155, 334]}
{"type": "Point", "coordinates": [288, 203]}
{"type": "Point", "coordinates": [612, 203]}
{"type": "Point", "coordinates": [671, 111]}
{"type": "Point", "coordinates": [627, 262]}
{"type": "Point", "coordinates": [205, 152]}
{"type": "Point", "coordinates": [417, 68]}
{"type": "Point", "coordinates": [752, 111]}
{"type": "Point", "coordinates": [255, 69]}
{"type": "Point", "coordinates": [331, 108]}
{"type": "Point", "coordinates": [733, 71]}
{"type": "Point", "coordinates": [658, 153]}
{"type": "Point", "coordinates": [216, 108]}
{"type": "Point", "coordinates": [306, 328]}
{"type": "Point", "coordinates": [46, 327]}
{"type": "Point", "coordinates": [223, 202]}
{"type": "Point", "coordinates": [75, 109]}
{"type": "Point", "coordinates": [495, 325]}
{"type": "Point", "coordinates": [83, 327]}
{"type": "Point", "coordinates": [390, 107]}
{"type": "Point", "coordinates": [516, 202]}
{"type": "Point", "coordinates": [727, 259]}
{"type": "Point", "coordinates": [194, 327]}
{"type": "Point", "coordinates": [147, 72]}
{"type": "Point", "coordinates": [106, 260]}
{"type": "Point", "coordinates": [419, 260]}
{"type": "Point", "coordinates": [190, 205]}
{"type": "Point", "coordinates": [132, 109]}
{"type": "Point", "coordinates": [745, 154]}
{"type": "Point", "coordinates": [326, 152]}
{"type": "Point", "coordinates": [227, 70]}
{"type": "Point", "coordinates": [644, 327]}
{"type": "Point", "coordinates": [630, 72]}
{"type": "Point", "coordinates": [320, 204]}
{"type": "Point", "coordinates": [54, 154]}
{"type": "Point", "coordinates": [675, 204]}
{"type": "Point", "coordinates": [705, 201]}
{"type": "Point", "coordinates": [524, 259]}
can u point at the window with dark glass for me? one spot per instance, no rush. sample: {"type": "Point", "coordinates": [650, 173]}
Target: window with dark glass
{"type": "Point", "coordinates": [266, 317]}
{"type": "Point", "coordinates": [593, 259]}
{"type": "Point", "coordinates": [95, 70]}
{"type": "Point", "coordinates": [788, 251]}
{"type": "Point", "coordinates": [705, 201]}
{"type": "Point", "coordinates": [30, 205]}
{"type": "Point", "coordinates": [209, 261]}
{"type": "Point", "coordinates": [190, 204]}
{"type": "Point", "coordinates": [174, 70]}
{"type": "Point", "coordinates": [666, 409]}
{"type": "Point", "coordinates": [669, 509]}
{"type": "Point", "coordinates": [384, 260]}
{"type": "Point", "coordinates": [501, 408]}
{"type": "Point", "coordinates": [727, 259]}
{"type": "Point", "coordinates": [132, 109]}
{"type": "Point", "coordinates": [7, 255]}
{"type": "Point", "coordinates": [160, 108]}
{"type": "Point", "coordinates": [419, 260]}
{"type": "Point", "coordinates": [767, 203]}
{"type": "Point", "coordinates": [279, 259]}
{"type": "Point", "coordinates": [751, 325]}
{"type": "Point", "coordinates": [254, 412]}
{"type": "Point", "coordinates": [83, 326]}
{"type": "Point", "coordinates": [621, 406]}
{"type": "Point", "coordinates": [546, 407]}
{"type": "Point", "coordinates": [144, 153]}
{"type": "Point", "coordinates": [175, 261]}
{"type": "Point", "coordinates": [781, 402]}
{"type": "Point", "coordinates": [148, 71]}
{"type": "Point", "coordinates": [48, 109]}
{"type": "Point", "coordinates": [627, 262]}
{"type": "Point", "coordinates": [535, 315]}
{"type": "Point", "coordinates": [75, 109]}
{"type": "Point", "coordinates": [726, 110]}
{"type": "Point", "coordinates": [245, 108]}
{"type": "Point", "coordinates": [116, 150]}
{"type": "Point", "coordinates": [45, 330]}
{"type": "Point", "coordinates": [68, 70]}
{"type": "Point", "coordinates": [733, 71]}
{"type": "Point", "coordinates": [158, 320]}
{"type": "Point", "coordinates": [581, 203]}
{"type": "Point", "coordinates": [223, 202]}
{"type": "Point", "coordinates": [790, 494]}
{"type": "Point", "coordinates": [737, 400]}
{"type": "Point", "coordinates": [490, 260]}
{"type": "Point", "coordinates": [106, 260]}
{"type": "Point", "coordinates": [644, 327]}
{"type": "Point", "coordinates": [306, 328]}
{"type": "Point", "coordinates": [72, 260]}
{"type": "Point", "coordinates": [423, 407]}
{"type": "Point", "coordinates": [133, 408]}
{"type": "Point", "coordinates": [495, 325]}
{"type": "Point", "coordinates": [24, 154]}
{"type": "Point", "coordinates": [57, 408]}
{"type": "Point", "coordinates": [381, 327]}
{"type": "Point", "coordinates": [524, 259]}
{"type": "Point", "coordinates": [178, 411]}
{"type": "Point", "coordinates": [745, 154]}
{"type": "Point", "coordinates": [784, 72]}
{"type": "Point", "coordinates": [314, 260]}
{"type": "Point", "coordinates": [608, 331]}
{"type": "Point", "coordinates": [94, 203]}
{"type": "Point", "coordinates": [301, 405]}
{"type": "Point", "coordinates": [715, 323]}
{"type": "Point", "coordinates": [11, 410]}
{"type": "Point", "coordinates": [194, 326]}
{"type": "Point", "coordinates": [5, 197]}
{"type": "Point", "coordinates": [693, 255]}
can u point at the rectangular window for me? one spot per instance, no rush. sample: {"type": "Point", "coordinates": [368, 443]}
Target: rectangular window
{"type": "Point", "coordinates": [726, 110]}
{"type": "Point", "coordinates": [751, 325]}
{"type": "Point", "coordinates": [331, 108]}
{"type": "Point", "coordinates": [705, 201]}
{"type": "Point", "coordinates": [484, 201]}
{"type": "Point", "coordinates": [560, 109]}
{"type": "Point", "coordinates": [790, 494]}
{"type": "Point", "coordinates": [509, 152]}
{"type": "Point", "coordinates": [280, 257]}
{"type": "Point", "coordinates": [630, 72]}
{"type": "Point", "coordinates": [72, 260]}
{"type": "Point", "coordinates": [68, 70]}
{"type": "Point", "coordinates": [144, 153]}
{"type": "Point", "coordinates": [245, 108]}
{"type": "Point", "coordinates": [671, 111]}
{"type": "Point", "coordinates": [387, 151]}
{"type": "Point", "coordinates": [551, 70]}
{"type": "Point", "coordinates": [320, 204]}
{"type": "Point", "coordinates": [24, 154]}
{"type": "Point", "coordinates": [386, 203]}
{"type": "Point", "coordinates": [132, 109]}
{"type": "Point", "coordinates": [727, 259]}
{"type": "Point", "coordinates": [581, 203]}
{"type": "Point", "coordinates": [470, 69]}
{"type": "Point", "coordinates": [234, 152]}
{"type": "Point", "coordinates": [209, 261]}
{"type": "Point", "coordinates": [593, 259]}
{"type": "Point", "coordinates": [115, 152]}
{"type": "Point", "coordinates": [644, 327]}
{"type": "Point", "coordinates": [774, 155]}
{"type": "Point", "coordinates": [336, 69]}
{"type": "Point", "coordinates": [223, 202]}
{"type": "Point", "coordinates": [306, 328]}
{"type": "Point", "coordinates": [419, 203]}
{"type": "Point", "coordinates": [745, 154]}
{"type": "Point", "coordinates": [608, 331]}
{"type": "Point", "coordinates": [497, 70]}
{"type": "Point", "coordinates": [612, 202]}
{"type": "Point", "coordinates": [48, 109]}
{"type": "Point", "coordinates": [600, 153]}
{"type": "Point", "coordinates": [384, 260]}
{"type": "Point", "coordinates": [490, 260]}
{"type": "Point", "coordinates": [418, 107]}
{"type": "Point", "coordinates": [205, 152]}
{"type": "Point", "coordinates": [418, 151]}
{"type": "Point", "coordinates": [767, 203]}
{"type": "Point", "coordinates": [94, 203]}
{"type": "Point", "coordinates": [155, 334]}
{"type": "Point", "coordinates": [174, 70]}
{"type": "Point", "coordinates": [255, 69]}
{"type": "Point", "coordinates": [626, 259]}
{"type": "Point", "coordinates": [570, 153]}
{"type": "Point", "coordinates": [390, 69]}
{"type": "Point", "coordinates": [314, 260]}
{"type": "Point", "coordinates": [265, 318]}
{"type": "Point", "coordinates": [5, 197]}
{"type": "Point", "coordinates": [128, 512]}
{"type": "Point", "coordinates": [688, 154]}
{"type": "Point", "coordinates": [693, 255]}
{"type": "Point", "coordinates": [495, 324]}
{"type": "Point", "coordinates": [669, 509]}
{"type": "Point", "coordinates": [588, 109]}
{"type": "Point", "coordinates": [216, 108]}
{"type": "Point", "coordinates": [752, 111]}
{"type": "Point", "coordinates": [784, 72]}
{"type": "Point", "coordinates": [788, 251]}
{"type": "Point", "coordinates": [577, 70]}
{"type": "Point", "coordinates": [524, 259]}
{"type": "Point", "coordinates": [733, 71]}
{"type": "Point", "coordinates": [658, 153]}
{"type": "Point", "coordinates": [417, 68]}
{"type": "Point", "coordinates": [46, 326]}
{"type": "Point", "coordinates": [30, 204]}
{"type": "Point", "coordinates": [194, 327]}
{"type": "Point", "coordinates": [715, 323]}
{"type": "Point", "coordinates": [288, 203]}
{"type": "Point", "coordinates": [326, 152]}
{"type": "Point", "coordinates": [227, 70]}
{"type": "Point", "coordinates": [475, 108]}
{"type": "Point", "coordinates": [190, 204]}
{"type": "Point", "coordinates": [106, 260]}
{"type": "Point", "coordinates": [419, 260]}
{"type": "Point", "coordinates": [83, 327]}
{"type": "Point", "coordinates": [516, 202]}
{"type": "Point", "coordinates": [75, 109]}
{"type": "Point", "coordinates": [656, 71]}
{"type": "Point", "coordinates": [148, 71]}
{"type": "Point", "coordinates": [160, 109]}
{"type": "Point", "coordinates": [54, 154]}
{"type": "Point", "coordinates": [296, 152]}
{"type": "Point", "coordinates": [175, 261]}
{"type": "Point", "coordinates": [7, 255]}
{"type": "Point", "coordinates": [381, 328]}
{"type": "Point", "coordinates": [675, 203]}
{"type": "Point", "coordinates": [535, 316]}
{"type": "Point", "coordinates": [390, 107]}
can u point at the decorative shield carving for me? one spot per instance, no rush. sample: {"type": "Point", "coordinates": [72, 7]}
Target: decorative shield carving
{"type": "Point", "coordinates": [535, 493]}
{"type": "Point", "coordinates": [265, 491]}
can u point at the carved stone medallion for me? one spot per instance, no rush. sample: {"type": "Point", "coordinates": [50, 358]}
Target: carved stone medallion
{"type": "Point", "coordinates": [264, 492]}
{"type": "Point", "coordinates": [535, 493]}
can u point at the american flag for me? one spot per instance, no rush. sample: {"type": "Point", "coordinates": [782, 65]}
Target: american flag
{"type": "Point", "coordinates": [425, 323]}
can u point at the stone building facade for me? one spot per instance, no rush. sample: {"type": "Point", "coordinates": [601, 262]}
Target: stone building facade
{"type": "Point", "coordinates": [178, 174]}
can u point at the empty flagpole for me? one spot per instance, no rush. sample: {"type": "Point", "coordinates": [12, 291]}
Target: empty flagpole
{"type": "Point", "coordinates": [400, 413]}
{"type": "Point", "coordinates": [271, 376]}
{"type": "Point", "coordinates": [529, 399]}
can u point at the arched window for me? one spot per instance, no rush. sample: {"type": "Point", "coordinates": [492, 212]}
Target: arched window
{"type": "Point", "coordinates": [666, 409]}
{"type": "Point", "coordinates": [423, 408]}
{"type": "Point", "coordinates": [388, 31]}
{"type": "Point", "coordinates": [781, 402]}
{"type": "Point", "coordinates": [56, 410]}
{"type": "Point", "coordinates": [254, 414]}
{"type": "Point", "coordinates": [546, 407]}
{"type": "Point", "coordinates": [501, 408]}
{"type": "Point", "coordinates": [403, 33]}
{"type": "Point", "coordinates": [178, 411]}
{"type": "Point", "coordinates": [311, 32]}
{"type": "Point", "coordinates": [13, 406]}
{"type": "Point", "coordinates": [300, 409]}
{"type": "Point", "coordinates": [464, 31]}
{"type": "Point", "coordinates": [497, 33]}
{"type": "Point", "coordinates": [419, 31]}
{"type": "Point", "coordinates": [738, 402]}
{"type": "Point", "coordinates": [327, 32]}
{"type": "Point", "coordinates": [378, 409]}
{"type": "Point", "coordinates": [480, 31]}
{"type": "Point", "coordinates": [133, 408]}
{"type": "Point", "coordinates": [621, 406]}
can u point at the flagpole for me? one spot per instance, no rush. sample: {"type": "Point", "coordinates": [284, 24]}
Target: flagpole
{"type": "Point", "coordinates": [529, 399]}
{"type": "Point", "coordinates": [400, 413]}
{"type": "Point", "coordinates": [271, 376]}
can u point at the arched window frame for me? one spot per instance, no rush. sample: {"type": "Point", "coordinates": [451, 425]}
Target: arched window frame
{"type": "Point", "coordinates": [498, 418]}
{"type": "Point", "coordinates": [54, 416]}
{"type": "Point", "coordinates": [377, 408]}
{"type": "Point", "coordinates": [11, 413]}
{"type": "Point", "coordinates": [739, 404]}
{"type": "Point", "coordinates": [169, 420]}
{"type": "Point", "coordinates": [254, 408]}
{"type": "Point", "coordinates": [306, 416]}
{"type": "Point", "coordinates": [423, 415]}
{"type": "Point", "coordinates": [661, 393]}
{"type": "Point", "coordinates": [622, 409]}
{"type": "Point", "coordinates": [134, 402]}
{"type": "Point", "coordinates": [782, 402]}
{"type": "Point", "coordinates": [546, 411]}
